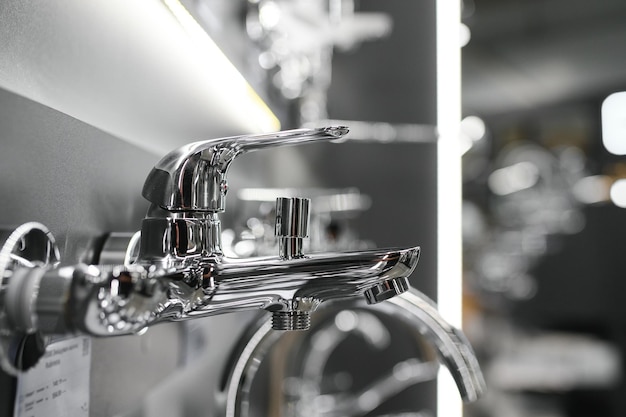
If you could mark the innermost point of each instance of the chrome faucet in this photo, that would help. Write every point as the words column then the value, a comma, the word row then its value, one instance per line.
column 181, row 237
column 181, row 272
column 306, row 367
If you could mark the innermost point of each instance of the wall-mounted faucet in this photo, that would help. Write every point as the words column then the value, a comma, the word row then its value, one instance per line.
column 304, row 361
column 181, row 272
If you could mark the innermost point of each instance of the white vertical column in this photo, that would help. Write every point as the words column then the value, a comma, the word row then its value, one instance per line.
column 449, row 186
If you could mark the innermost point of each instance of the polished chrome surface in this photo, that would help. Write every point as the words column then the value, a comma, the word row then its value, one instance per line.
column 30, row 247
column 177, row 241
column 120, row 248
column 122, row 300
column 180, row 271
column 188, row 189
column 386, row 290
column 193, row 177
column 411, row 308
column 291, row 320
column 292, row 217
column 292, row 225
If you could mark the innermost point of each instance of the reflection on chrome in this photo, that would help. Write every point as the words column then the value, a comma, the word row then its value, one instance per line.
column 312, row 392
column 125, row 300
column 180, row 271
column 29, row 246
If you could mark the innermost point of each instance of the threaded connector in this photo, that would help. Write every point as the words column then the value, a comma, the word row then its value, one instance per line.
column 291, row 320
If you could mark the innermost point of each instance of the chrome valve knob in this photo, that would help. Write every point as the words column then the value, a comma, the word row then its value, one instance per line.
column 292, row 225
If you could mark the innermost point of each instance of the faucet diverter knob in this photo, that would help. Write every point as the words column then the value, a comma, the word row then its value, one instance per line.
column 292, row 225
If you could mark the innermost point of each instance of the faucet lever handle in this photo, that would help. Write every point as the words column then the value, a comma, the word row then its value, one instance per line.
column 193, row 178
column 292, row 225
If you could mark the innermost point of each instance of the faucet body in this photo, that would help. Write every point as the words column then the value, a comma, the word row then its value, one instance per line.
column 181, row 255
column 123, row 300
column 180, row 271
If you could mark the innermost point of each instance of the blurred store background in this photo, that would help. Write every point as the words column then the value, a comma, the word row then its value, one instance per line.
column 543, row 181
column 543, row 207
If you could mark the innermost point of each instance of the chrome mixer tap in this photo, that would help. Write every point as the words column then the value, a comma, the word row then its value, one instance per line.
column 181, row 272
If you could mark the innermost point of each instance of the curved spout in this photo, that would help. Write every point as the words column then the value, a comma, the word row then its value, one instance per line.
column 193, row 177
column 454, row 350
column 413, row 308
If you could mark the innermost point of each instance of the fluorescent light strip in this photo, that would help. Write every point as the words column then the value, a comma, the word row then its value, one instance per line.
column 223, row 70
column 449, row 190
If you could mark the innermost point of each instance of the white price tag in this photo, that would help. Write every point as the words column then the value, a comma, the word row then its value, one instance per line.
column 59, row 384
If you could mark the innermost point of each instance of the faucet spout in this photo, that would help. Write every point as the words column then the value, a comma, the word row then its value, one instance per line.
column 124, row 301
column 279, row 285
